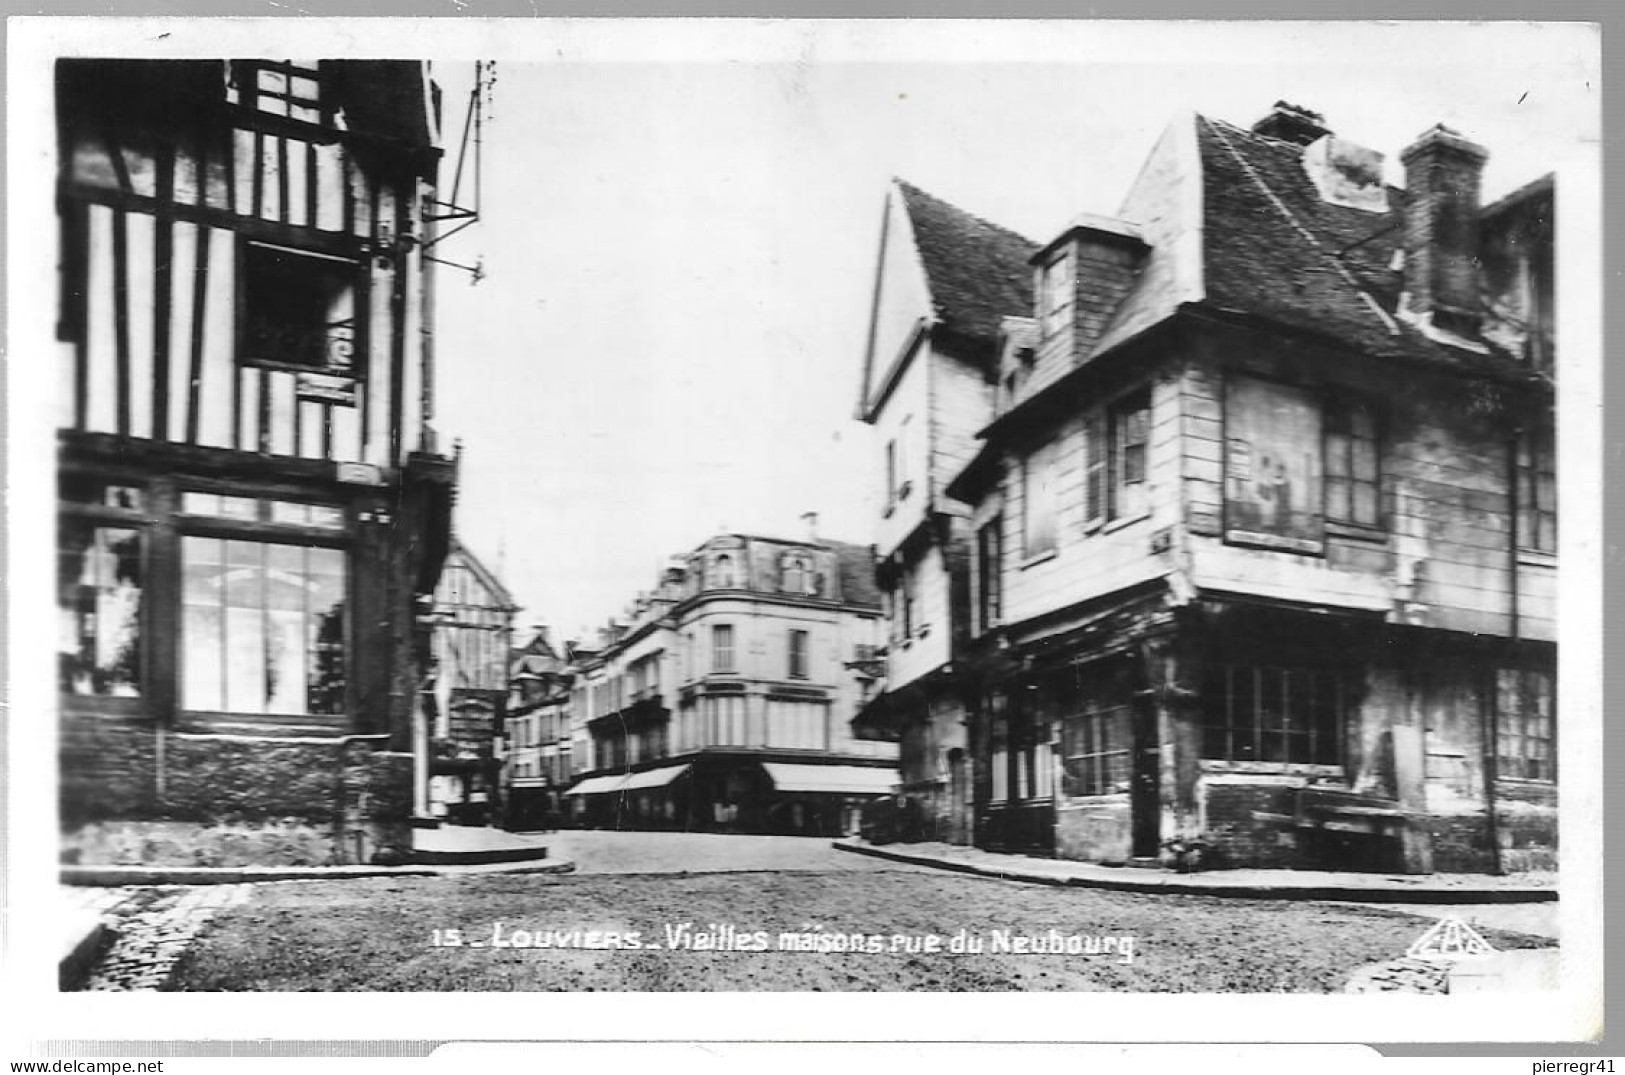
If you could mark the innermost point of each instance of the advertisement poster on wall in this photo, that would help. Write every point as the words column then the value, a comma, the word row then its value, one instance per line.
column 1272, row 466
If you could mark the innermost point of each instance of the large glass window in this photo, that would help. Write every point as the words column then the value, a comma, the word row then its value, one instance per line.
column 100, row 583
column 1096, row 736
column 1526, row 724
column 1272, row 714
column 263, row 627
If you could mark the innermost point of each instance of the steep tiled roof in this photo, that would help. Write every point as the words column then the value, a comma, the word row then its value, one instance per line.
column 977, row 271
column 1272, row 247
column 856, row 564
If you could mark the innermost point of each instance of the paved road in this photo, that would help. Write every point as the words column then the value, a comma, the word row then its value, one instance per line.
column 595, row 851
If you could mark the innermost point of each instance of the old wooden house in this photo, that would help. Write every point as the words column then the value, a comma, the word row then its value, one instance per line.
column 1263, row 521
column 947, row 281
column 724, row 698
column 473, row 633
column 252, row 508
column 537, row 765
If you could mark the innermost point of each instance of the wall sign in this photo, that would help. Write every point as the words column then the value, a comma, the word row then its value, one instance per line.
column 1272, row 466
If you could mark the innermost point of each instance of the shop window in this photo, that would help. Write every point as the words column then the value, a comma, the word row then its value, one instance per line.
column 1525, row 724
column 101, row 579
column 1535, row 459
column 1096, row 739
column 263, row 627
column 1272, row 714
column 1352, row 475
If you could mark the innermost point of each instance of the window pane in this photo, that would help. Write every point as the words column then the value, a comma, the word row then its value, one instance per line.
column 1365, row 504
column 99, row 596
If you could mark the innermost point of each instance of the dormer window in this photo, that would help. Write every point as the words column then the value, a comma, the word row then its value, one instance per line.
column 797, row 575
column 1056, row 292
column 722, row 571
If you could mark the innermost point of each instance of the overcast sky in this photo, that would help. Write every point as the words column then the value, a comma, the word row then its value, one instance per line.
column 680, row 245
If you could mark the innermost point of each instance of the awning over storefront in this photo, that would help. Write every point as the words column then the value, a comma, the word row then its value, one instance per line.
column 838, row 779
column 654, row 778
column 598, row 785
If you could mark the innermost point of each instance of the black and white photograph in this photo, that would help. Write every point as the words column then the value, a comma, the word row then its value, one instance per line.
column 899, row 506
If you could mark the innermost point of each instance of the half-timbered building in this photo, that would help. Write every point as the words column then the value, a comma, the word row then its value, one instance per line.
column 473, row 633
column 252, row 508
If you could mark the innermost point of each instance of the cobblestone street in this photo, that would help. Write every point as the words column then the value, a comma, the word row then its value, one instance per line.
column 391, row 933
column 154, row 927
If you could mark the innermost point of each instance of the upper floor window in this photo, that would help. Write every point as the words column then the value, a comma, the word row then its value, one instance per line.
column 1352, row 476
column 798, row 653
column 1535, row 463
column 290, row 88
column 897, row 479
column 1041, row 499
column 989, row 580
column 298, row 309
column 1115, row 444
column 722, row 648
column 1057, row 293
column 908, row 611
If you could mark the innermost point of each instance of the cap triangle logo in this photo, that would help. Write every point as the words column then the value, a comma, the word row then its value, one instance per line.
column 1450, row 938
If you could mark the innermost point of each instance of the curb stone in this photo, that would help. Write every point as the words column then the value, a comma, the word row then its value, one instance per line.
column 1172, row 885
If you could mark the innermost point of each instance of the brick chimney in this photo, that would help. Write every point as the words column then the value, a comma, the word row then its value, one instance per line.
column 1443, row 174
column 1292, row 123
column 809, row 523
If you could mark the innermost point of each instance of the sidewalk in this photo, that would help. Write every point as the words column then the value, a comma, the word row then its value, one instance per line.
column 451, row 851
column 1243, row 884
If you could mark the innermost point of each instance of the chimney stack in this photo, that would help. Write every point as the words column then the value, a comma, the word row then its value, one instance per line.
column 810, row 520
column 1443, row 174
column 1292, row 123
